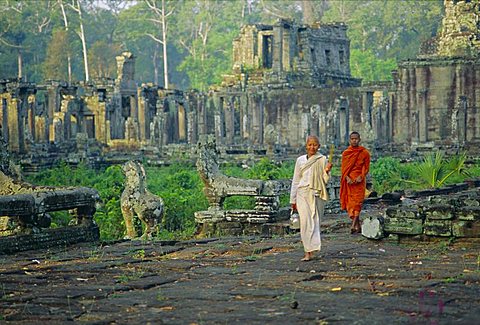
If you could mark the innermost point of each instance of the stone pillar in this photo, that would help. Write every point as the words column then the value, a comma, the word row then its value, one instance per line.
column 286, row 50
column 462, row 118
column 228, row 111
column 245, row 118
column 142, row 115
column 421, row 99
column 192, row 127
column 257, row 113
column 14, row 130
column 218, row 119
column 403, row 120
column 277, row 63
column 343, row 121
column 41, row 134
column 323, row 127
column 315, row 120
column 31, row 117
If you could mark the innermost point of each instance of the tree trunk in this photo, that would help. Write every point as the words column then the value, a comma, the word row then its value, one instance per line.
column 84, row 43
column 164, row 38
column 20, row 64
column 155, row 65
column 69, row 59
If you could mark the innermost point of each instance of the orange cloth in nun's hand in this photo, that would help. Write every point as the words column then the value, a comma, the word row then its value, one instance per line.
column 355, row 162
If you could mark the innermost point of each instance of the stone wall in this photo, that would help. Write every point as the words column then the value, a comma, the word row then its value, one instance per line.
column 437, row 100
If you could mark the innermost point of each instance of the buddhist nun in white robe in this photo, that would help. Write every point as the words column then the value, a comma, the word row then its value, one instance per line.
column 308, row 194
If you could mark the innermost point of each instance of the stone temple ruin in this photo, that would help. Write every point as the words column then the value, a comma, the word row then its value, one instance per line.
column 287, row 81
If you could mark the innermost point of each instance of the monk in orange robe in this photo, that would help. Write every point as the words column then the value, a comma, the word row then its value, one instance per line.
column 355, row 167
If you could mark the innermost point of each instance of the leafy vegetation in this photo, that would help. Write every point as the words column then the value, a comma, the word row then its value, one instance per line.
column 46, row 39
column 433, row 171
column 182, row 190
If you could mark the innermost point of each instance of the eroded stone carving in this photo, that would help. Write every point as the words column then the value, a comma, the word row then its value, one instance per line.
column 26, row 208
column 219, row 186
column 137, row 201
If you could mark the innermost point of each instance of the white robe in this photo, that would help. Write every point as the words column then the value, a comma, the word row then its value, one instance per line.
column 310, row 204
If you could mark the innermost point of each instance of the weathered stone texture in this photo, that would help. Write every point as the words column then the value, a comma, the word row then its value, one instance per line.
column 137, row 201
column 459, row 33
column 373, row 227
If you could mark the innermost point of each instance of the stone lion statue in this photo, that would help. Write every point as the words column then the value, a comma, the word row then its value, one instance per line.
column 137, row 201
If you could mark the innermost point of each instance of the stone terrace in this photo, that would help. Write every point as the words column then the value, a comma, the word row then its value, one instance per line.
column 246, row 280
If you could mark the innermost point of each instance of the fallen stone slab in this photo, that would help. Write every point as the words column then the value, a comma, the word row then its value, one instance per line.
column 405, row 226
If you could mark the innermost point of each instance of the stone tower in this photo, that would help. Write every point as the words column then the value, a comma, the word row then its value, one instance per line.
column 460, row 29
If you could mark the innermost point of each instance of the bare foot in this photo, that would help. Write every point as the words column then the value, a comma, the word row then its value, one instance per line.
column 308, row 256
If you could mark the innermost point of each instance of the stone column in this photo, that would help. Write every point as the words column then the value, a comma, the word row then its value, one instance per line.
column 142, row 115
column 343, row 120
column 462, row 119
column 422, row 93
column 192, row 127
column 15, row 131
column 256, row 109
column 245, row 118
column 228, row 110
column 286, row 57
column 277, row 63
column 31, row 117
column 218, row 119
column 323, row 127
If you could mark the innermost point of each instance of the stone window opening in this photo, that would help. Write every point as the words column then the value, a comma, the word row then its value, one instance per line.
column 267, row 51
column 341, row 56
column 328, row 57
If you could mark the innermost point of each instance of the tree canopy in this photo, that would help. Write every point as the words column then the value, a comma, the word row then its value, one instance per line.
column 188, row 43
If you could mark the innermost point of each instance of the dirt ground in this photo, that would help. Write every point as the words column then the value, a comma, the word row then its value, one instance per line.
column 246, row 280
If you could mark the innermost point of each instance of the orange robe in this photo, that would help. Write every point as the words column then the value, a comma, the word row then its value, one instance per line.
column 355, row 162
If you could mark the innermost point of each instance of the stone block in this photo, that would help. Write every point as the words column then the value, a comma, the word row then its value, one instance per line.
column 439, row 212
column 228, row 228
column 438, row 227
column 406, row 226
column 400, row 212
column 212, row 215
column 469, row 213
column 372, row 227
column 463, row 228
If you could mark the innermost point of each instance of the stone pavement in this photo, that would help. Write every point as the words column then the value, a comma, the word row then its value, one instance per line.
column 246, row 280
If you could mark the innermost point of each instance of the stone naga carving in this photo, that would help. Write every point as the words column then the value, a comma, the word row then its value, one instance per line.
column 137, row 201
column 219, row 186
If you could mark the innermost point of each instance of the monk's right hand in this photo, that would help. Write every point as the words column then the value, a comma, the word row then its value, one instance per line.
column 294, row 206
column 349, row 180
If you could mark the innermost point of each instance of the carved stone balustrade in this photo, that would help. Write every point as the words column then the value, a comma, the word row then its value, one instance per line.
column 24, row 218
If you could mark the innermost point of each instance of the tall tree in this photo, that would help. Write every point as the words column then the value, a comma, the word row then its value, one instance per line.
column 159, row 18
column 205, row 30
column 24, row 28
column 101, row 58
column 76, row 6
column 145, row 27
column 382, row 32
column 56, row 66
column 68, row 54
